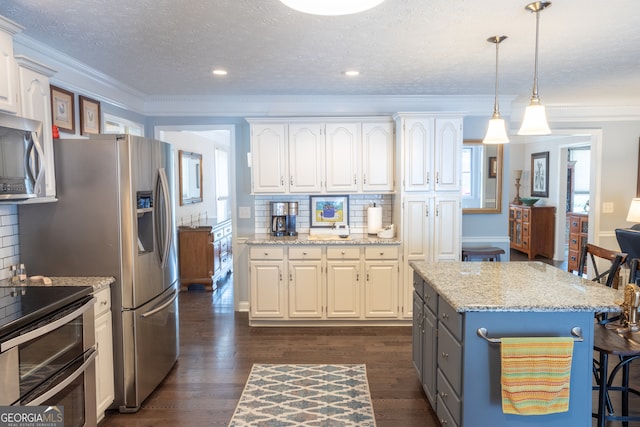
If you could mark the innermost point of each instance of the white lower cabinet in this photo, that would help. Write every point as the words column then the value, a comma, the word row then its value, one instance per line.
column 267, row 296
column 381, row 289
column 344, row 283
column 305, row 283
column 104, row 359
column 350, row 282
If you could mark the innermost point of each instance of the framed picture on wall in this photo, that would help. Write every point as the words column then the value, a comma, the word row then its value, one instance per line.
column 62, row 109
column 328, row 210
column 540, row 174
column 89, row 115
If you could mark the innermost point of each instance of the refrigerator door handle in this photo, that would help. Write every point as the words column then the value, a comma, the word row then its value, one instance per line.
column 162, row 307
column 164, row 236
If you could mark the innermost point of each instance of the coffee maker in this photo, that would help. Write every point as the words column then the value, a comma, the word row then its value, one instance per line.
column 279, row 211
column 292, row 213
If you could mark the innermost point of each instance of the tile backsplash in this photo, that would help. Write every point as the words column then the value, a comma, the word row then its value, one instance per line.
column 9, row 239
column 358, row 204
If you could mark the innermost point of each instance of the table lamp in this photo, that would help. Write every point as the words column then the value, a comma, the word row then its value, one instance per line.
column 634, row 213
column 517, row 200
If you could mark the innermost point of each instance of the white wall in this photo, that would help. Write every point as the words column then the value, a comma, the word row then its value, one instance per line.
column 195, row 143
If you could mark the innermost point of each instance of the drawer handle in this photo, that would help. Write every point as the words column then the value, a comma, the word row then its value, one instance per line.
column 445, row 355
column 103, row 302
column 445, row 316
column 427, row 296
column 443, row 422
column 444, row 395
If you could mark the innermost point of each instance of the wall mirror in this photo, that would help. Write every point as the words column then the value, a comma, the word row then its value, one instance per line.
column 190, row 172
column 481, row 177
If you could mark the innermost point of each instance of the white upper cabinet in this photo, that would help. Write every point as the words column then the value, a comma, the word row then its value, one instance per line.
column 8, row 80
column 323, row 156
column 432, row 149
column 306, row 147
column 269, row 158
column 342, row 157
column 418, row 135
column 377, row 157
column 35, row 103
column 448, row 154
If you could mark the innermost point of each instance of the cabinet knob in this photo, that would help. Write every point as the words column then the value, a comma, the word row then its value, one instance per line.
column 445, row 355
column 445, row 316
column 304, row 253
column 444, row 395
column 266, row 254
column 381, row 253
column 443, row 422
column 343, row 252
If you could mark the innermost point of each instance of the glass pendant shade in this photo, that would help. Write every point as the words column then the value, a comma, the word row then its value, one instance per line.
column 331, row 7
column 535, row 115
column 496, row 132
column 535, row 121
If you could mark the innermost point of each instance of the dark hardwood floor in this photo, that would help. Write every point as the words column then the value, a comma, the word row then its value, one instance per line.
column 218, row 349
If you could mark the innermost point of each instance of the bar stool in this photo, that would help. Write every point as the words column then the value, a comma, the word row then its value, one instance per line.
column 485, row 253
column 625, row 345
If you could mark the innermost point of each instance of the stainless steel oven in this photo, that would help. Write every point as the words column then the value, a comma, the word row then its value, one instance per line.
column 50, row 360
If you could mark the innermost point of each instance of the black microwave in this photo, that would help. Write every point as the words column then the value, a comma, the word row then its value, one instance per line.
column 21, row 159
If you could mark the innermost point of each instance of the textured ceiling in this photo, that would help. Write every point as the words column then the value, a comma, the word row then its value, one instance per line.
column 589, row 51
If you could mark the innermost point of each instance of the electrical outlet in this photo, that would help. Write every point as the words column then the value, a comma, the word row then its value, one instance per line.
column 607, row 207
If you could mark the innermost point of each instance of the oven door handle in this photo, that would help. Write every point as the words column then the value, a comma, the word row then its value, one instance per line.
column 68, row 380
column 31, row 335
column 162, row 307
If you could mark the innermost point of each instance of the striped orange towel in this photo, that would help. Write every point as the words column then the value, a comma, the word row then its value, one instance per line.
column 536, row 375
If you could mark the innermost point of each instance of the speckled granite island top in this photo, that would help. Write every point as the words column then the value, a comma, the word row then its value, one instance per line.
column 306, row 239
column 515, row 286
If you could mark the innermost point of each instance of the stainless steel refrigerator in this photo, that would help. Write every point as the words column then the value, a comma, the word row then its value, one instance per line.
column 115, row 217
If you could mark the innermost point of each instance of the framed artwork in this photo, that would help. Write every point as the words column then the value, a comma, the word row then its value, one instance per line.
column 540, row 174
column 89, row 115
column 327, row 210
column 493, row 167
column 62, row 109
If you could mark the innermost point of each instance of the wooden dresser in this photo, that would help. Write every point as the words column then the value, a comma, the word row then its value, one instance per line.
column 531, row 229
column 205, row 252
column 578, row 234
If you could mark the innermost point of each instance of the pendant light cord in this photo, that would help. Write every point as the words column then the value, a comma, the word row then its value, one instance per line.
column 535, row 67
column 496, row 106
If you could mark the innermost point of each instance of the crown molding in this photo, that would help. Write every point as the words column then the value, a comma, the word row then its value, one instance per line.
column 79, row 77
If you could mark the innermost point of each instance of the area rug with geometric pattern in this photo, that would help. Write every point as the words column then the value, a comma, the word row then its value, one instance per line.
column 305, row 395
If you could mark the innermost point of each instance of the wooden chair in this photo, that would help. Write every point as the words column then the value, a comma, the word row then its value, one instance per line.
column 598, row 258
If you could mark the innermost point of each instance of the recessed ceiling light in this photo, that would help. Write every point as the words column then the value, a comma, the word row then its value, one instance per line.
column 220, row 72
column 331, row 7
column 352, row 73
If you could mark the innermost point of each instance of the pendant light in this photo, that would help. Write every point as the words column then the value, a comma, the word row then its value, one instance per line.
column 497, row 131
column 535, row 117
column 331, row 7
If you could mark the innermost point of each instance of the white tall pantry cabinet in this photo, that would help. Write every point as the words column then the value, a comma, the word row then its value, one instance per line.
column 428, row 148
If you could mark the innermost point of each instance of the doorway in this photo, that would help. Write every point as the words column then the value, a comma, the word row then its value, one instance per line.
column 216, row 145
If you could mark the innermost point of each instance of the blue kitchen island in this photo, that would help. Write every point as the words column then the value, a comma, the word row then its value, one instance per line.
column 462, row 309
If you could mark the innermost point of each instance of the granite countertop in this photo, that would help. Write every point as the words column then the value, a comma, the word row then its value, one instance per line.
column 515, row 286
column 97, row 283
column 306, row 239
